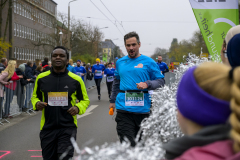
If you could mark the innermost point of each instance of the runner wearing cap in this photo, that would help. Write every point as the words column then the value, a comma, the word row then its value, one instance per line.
column 80, row 70
column 135, row 76
column 98, row 70
column 109, row 73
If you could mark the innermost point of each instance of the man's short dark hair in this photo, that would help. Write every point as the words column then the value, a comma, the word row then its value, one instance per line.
column 3, row 60
column 160, row 55
column 29, row 63
column 131, row 35
column 45, row 60
column 63, row 48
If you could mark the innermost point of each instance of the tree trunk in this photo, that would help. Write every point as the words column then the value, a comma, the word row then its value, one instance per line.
column 10, row 27
column 1, row 8
column 2, row 4
column 6, row 25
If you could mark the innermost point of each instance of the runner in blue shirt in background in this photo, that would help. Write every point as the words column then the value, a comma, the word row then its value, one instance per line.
column 162, row 65
column 71, row 68
column 98, row 70
column 135, row 76
column 109, row 73
column 80, row 70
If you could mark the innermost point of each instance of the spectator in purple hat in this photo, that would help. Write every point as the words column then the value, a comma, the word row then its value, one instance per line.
column 203, row 101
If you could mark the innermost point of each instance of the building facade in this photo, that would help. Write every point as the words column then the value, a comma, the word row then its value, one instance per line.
column 107, row 49
column 31, row 23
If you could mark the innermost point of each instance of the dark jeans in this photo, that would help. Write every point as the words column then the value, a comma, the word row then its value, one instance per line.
column 98, row 84
column 109, row 87
column 128, row 125
column 9, row 98
column 55, row 142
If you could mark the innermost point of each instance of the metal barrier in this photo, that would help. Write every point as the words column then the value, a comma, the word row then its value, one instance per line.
column 169, row 78
column 16, row 97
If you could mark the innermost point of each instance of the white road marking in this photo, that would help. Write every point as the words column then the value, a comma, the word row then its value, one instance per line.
column 88, row 111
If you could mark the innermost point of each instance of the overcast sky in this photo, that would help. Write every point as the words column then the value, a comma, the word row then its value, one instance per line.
column 156, row 21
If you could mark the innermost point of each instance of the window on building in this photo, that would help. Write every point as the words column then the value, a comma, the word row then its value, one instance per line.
column 23, row 32
column 23, row 10
column 23, row 53
column 20, row 9
column 20, row 30
column 15, row 52
column 15, row 28
column 27, row 54
column 27, row 11
column 15, row 7
column 30, row 13
column 20, row 52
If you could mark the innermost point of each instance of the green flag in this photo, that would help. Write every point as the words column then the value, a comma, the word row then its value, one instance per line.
column 215, row 18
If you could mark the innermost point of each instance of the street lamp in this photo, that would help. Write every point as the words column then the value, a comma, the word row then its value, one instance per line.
column 69, row 28
column 60, row 33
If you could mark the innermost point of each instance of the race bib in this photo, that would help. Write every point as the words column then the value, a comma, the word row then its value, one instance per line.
column 98, row 73
column 79, row 74
column 58, row 98
column 110, row 79
column 134, row 99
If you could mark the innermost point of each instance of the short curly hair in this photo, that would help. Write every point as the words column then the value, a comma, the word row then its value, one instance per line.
column 131, row 35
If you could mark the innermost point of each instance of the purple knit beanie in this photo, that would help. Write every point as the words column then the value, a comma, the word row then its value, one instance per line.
column 199, row 106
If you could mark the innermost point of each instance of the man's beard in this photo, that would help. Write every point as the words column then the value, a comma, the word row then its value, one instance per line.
column 134, row 56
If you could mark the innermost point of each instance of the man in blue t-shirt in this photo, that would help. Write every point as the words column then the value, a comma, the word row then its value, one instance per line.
column 162, row 65
column 135, row 76
column 109, row 73
column 98, row 70
column 80, row 70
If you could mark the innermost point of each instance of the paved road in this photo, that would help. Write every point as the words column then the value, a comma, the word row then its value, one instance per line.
column 21, row 141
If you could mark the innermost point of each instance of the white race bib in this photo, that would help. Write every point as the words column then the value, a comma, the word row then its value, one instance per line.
column 79, row 74
column 98, row 73
column 58, row 98
column 110, row 79
column 134, row 99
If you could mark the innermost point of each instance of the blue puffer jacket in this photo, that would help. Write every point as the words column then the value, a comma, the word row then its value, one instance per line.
column 71, row 68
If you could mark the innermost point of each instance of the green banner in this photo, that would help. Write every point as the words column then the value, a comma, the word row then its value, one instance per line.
column 215, row 18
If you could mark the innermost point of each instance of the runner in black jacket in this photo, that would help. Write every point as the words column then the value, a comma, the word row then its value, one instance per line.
column 61, row 95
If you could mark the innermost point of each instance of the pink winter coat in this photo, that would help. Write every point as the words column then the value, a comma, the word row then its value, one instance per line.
column 220, row 150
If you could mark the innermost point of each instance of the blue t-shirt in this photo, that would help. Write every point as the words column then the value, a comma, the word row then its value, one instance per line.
column 162, row 66
column 71, row 68
column 99, row 68
column 131, row 71
column 110, row 74
column 80, row 70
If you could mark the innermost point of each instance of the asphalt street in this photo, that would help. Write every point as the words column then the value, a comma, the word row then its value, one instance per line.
column 20, row 140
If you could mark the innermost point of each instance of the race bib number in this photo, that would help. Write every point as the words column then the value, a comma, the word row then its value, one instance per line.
column 98, row 73
column 134, row 99
column 79, row 74
column 58, row 98
column 110, row 79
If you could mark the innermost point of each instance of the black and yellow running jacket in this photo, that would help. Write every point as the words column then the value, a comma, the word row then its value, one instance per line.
column 54, row 117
